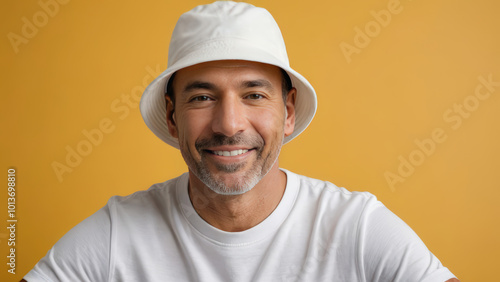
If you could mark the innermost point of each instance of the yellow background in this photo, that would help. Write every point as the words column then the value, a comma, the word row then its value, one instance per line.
column 392, row 93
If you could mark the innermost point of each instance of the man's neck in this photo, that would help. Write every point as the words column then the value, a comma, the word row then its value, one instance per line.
column 238, row 212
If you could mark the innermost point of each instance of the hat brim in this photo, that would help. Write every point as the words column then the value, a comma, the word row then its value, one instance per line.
column 153, row 104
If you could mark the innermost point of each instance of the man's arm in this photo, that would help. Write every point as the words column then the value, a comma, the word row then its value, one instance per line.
column 451, row 280
column 390, row 249
column 80, row 255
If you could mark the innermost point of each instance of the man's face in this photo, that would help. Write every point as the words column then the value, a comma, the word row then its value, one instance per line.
column 230, row 120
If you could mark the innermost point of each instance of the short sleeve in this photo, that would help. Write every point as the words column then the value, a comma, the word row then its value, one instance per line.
column 389, row 250
column 82, row 254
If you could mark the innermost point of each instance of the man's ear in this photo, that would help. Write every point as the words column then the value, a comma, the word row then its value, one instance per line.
column 290, row 111
column 171, row 123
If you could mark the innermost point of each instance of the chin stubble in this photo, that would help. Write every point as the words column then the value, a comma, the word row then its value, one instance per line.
column 244, row 183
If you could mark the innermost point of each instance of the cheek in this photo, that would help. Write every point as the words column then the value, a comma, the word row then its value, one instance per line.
column 190, row 127
column 269, row 123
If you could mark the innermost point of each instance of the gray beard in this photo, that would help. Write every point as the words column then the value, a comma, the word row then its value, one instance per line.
column 245, row 183
column 248, row 181
column 240, row 187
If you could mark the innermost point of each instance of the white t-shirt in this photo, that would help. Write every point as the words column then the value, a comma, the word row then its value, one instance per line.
column 318, row 232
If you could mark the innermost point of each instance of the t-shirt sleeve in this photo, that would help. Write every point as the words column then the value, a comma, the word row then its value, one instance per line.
column 389, row 250
column 82, row 254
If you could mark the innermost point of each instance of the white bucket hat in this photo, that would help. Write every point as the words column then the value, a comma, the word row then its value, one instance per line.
column 225, row 30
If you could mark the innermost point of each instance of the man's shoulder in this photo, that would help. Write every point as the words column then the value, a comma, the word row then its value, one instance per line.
column 325, row 189
column 328, row 202
column 157, row 194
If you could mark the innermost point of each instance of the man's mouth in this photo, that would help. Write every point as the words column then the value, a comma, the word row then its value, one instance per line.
column 229, row 153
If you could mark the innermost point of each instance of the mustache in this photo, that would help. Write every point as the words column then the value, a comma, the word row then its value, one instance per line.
column 217, row 139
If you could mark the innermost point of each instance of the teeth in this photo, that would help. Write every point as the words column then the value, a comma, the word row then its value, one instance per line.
column 230, row 153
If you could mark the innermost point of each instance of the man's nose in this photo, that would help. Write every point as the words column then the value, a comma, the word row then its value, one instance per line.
column 229, row 117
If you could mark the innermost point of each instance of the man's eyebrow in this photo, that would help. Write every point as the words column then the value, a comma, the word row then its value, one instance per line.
column 210, row 86
column 257, row 83
column 199, row 85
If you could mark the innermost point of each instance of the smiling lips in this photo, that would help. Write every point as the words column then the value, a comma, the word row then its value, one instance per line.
column 229, row 153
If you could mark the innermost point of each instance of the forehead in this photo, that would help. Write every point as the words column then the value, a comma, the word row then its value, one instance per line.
column 227, row 71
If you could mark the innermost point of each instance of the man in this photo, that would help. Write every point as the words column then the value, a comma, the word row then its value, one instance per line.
column 229, row 100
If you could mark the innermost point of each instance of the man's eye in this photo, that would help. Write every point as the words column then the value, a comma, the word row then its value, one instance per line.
column 200, row 99
column 255, row 96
